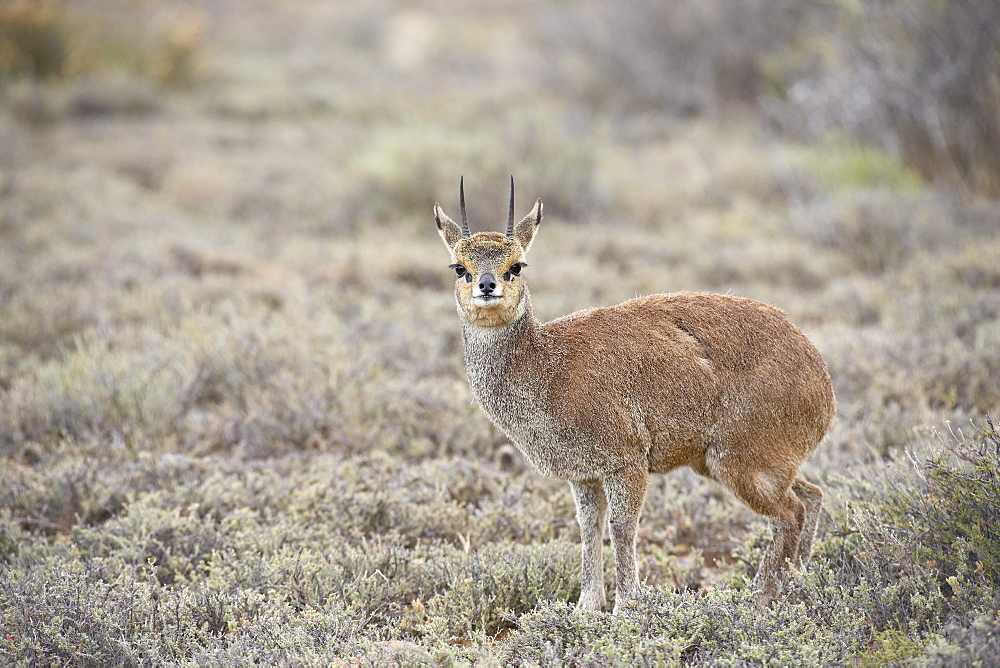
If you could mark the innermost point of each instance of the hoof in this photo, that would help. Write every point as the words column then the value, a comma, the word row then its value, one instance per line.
column 763, row 599
column 590, row 604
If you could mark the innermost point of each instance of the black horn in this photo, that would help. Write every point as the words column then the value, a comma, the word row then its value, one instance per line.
column 461, row 200
column 510, row 211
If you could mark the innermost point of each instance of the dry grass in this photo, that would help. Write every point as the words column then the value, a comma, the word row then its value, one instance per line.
column 234, row 423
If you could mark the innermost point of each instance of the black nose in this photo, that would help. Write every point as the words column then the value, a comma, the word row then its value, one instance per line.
column 487, row 283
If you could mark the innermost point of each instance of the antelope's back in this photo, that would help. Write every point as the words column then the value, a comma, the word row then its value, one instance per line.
column 691, row 368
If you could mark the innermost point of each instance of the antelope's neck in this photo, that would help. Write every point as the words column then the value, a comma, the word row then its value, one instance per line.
column 500, row 360
column 511, row 372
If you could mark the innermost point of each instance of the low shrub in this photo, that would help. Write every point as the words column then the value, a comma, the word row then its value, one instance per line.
column 55, row 611
column 54, row 40
column 412, row 166
column 489, row 589
column 32, row 40
column 950, row 519
column 722, row 627
column 918, row 79
column 974, row 641
column 918, row 551
column 679, row 59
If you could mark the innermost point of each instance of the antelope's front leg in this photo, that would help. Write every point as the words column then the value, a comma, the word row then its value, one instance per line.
column 591, row 507
column 626, row 492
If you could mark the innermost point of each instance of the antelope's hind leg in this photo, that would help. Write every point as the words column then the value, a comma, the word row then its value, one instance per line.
column 591, row 509
column 770, row 492
column 811, row 497
column 788, row 517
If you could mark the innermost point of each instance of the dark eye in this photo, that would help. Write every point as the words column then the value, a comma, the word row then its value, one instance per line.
column 515, row 270
column 461, row 271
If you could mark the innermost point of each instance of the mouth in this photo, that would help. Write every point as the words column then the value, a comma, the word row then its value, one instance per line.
column 485, row 300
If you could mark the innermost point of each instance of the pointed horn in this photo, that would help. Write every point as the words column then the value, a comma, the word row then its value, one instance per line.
column 461, row 199
column 510, row 211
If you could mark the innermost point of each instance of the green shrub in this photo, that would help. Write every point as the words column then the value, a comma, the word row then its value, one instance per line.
column 677, row 59
column 55, row 40
column 411, row 166
column 844, row 166
column 54, row 610
column 53, row 499
column 32, row 40
column 975, row 641
column 919, row 79
column 892, row 647
column 876, row 230
column 949, row 520
column 94, row 389
column 722, row 627
column 487, row 590
column 919, row 551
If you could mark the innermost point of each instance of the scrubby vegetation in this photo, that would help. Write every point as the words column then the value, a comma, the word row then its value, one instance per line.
column 234, row 424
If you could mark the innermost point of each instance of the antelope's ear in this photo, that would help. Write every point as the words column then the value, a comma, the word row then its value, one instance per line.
column 524, row 231
column 449, row 230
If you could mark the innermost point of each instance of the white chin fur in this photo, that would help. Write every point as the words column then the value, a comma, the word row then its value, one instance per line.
column 485, row 302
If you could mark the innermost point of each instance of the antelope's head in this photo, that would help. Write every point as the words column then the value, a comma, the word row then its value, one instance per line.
column 489, row 288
